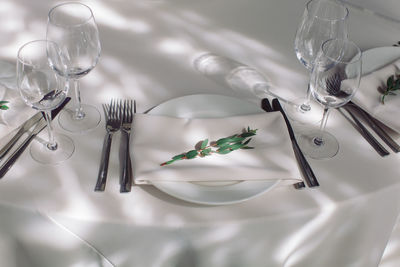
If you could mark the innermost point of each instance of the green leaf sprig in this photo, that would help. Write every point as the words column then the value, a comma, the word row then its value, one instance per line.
column 221, row 146
column 3, row 105
column 392, row 85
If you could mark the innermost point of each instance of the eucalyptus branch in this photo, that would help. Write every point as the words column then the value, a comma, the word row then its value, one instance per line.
column 221, row 146
column 392, row 85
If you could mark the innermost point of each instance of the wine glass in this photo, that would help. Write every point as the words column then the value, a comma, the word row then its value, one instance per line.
column 43, row 89
column 335, row 79
column 73, row 28
column 322, row 20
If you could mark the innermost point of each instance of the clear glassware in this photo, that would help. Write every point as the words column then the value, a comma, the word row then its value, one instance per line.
column 335, row 79
column 72, row 26
column 322, row 20
column 43, row 89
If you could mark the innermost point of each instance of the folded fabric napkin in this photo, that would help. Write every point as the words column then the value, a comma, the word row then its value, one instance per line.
column 17, row 113
column 156, row 139
column 369, row 98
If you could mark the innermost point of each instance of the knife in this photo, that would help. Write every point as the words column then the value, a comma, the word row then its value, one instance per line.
column 364, row 132
column 22, row 129
column 5, row 166
column 372, row 122
column 265, row 105
column 306, row 170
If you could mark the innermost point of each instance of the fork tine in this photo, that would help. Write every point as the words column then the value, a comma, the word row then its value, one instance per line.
column 105, row 110
column 130, row 110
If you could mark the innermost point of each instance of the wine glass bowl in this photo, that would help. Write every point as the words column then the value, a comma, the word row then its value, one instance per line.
column 335, row 79
column 43, row 89
column 322, row 20
column 72, row 26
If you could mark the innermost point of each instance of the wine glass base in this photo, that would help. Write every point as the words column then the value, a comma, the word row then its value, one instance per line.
column 328, row 149
column 70, row 123
column 42, row 154
column 312, row 116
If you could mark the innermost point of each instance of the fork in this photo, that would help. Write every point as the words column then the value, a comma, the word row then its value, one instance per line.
column 127, row 110
column 113, row 122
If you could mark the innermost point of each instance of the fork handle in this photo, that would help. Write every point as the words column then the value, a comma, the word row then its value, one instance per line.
column 103, row 169
column 126, row 169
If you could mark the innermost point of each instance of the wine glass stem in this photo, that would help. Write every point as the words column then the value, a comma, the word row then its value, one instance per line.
column 51, row 144
column 79, row 114
column 318, row 139
column 304, row 107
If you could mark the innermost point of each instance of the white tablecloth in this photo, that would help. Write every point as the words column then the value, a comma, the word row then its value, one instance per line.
column 149, row 52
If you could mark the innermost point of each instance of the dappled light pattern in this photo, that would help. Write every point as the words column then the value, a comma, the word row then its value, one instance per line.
column 157, row 50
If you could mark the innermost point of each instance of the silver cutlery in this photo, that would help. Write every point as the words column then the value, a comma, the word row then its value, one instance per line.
column 364, row 131
column 265, row 105
column 372, row 122
column 333, row 86
column 6, row 165
column 127, row 110
column 22, row 129
column 113, row 122
column 305, row 167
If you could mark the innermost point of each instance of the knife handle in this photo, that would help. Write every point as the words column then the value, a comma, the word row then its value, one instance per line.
column 308, row 173
column 103, row 169
column 11, row 143
column 377, row 128
column 365, row 133
column 5, row 167
column 265, row 105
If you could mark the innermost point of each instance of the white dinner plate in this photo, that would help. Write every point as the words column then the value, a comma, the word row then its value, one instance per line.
column 210, row 106
column 377, row 58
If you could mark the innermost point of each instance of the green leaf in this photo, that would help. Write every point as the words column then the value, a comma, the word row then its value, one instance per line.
column 397, row 84
column 3, row 102
column 204, row 144
column 207, row 151
column 247, row 141
column 225, row 151
column 247, row 134
column 224, row 146
column 180, row 156
column 389, row 82
column 223, row 141
column 237, row 139
column 236, row 146
column 191, row 154
column 247, row 147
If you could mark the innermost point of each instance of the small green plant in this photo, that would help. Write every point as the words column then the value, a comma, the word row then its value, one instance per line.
column 392, row 85
column 3, row 105
column 221, row 146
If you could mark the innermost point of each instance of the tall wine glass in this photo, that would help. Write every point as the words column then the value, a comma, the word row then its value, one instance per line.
column 43, row 89
column 322, row 20
column 72, row 26
column 335, row 79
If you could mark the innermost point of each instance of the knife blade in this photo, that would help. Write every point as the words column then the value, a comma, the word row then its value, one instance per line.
column 6, row 165
column 306, row 170
column 23, row 128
